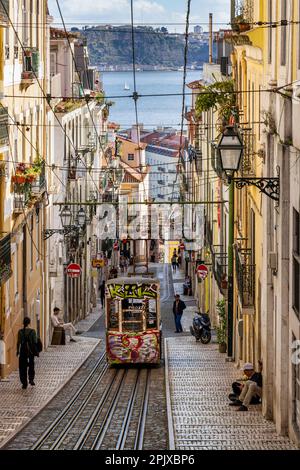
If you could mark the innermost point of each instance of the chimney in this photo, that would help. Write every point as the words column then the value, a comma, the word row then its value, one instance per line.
column 210, row 38
column 136, row 133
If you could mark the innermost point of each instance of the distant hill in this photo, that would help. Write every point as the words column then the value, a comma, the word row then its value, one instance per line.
column 112, row 46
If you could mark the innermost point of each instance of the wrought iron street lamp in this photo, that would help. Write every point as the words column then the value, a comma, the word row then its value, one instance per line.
column 81, row 217
column 66, row 217
column 230, row 149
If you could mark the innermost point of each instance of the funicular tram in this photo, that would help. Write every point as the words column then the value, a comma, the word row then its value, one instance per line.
column 133, row 334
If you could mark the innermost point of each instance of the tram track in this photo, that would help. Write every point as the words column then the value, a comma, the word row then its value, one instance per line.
column 111, row 414
column 52, row 436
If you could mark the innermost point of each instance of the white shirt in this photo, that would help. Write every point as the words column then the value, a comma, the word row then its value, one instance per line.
column 55, row 320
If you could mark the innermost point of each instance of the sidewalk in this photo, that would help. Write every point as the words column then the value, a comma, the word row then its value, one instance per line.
column 199, row 381
column 54, row 368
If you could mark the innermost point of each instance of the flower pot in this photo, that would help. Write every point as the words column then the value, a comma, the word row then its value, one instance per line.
column 244, row 27
column 222, row 348
column 18, row 179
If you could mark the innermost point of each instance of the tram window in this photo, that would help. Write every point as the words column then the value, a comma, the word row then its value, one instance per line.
column 151, row 313
column 133, row 317
column 113, row 314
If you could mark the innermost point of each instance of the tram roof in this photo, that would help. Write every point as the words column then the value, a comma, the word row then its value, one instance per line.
column 133, row 280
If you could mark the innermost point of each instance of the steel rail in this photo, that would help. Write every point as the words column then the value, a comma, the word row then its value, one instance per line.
column 129, row 410
column 139, row 438
column 89, row 427
column 109, row 415
column 64, row 412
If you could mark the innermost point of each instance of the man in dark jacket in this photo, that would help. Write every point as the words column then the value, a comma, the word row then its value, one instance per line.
column 178, row 308
column 252, row 388
column 26, row 350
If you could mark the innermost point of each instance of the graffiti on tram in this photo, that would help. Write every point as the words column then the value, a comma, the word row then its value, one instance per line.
column 133, row 347
column 133, row 291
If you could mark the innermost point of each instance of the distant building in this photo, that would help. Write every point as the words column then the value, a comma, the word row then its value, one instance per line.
column 198, row 29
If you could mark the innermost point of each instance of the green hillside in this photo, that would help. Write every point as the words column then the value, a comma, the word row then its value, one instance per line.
column 152, row 48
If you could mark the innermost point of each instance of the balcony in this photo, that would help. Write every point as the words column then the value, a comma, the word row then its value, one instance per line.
column 4, row 7
column 243, row 18
column 31, row 66
column 219, row 267
column 245, row 277
column 28, row 182
column 5, row 259
column 4, row 141
column 38, row 186
column 208, row 234
column 216, row 161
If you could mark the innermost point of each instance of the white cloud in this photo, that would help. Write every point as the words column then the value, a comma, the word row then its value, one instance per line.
column 105, row 10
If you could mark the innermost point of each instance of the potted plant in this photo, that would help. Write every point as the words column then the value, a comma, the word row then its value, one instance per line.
column 222, row 327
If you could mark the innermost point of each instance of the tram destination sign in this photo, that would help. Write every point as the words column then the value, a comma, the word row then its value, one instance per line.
column 133, row 291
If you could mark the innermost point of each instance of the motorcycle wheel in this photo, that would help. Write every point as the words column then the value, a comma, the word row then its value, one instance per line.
column 192, row 331
column 205, row 337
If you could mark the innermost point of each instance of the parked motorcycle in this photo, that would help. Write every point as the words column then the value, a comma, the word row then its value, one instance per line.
column 201, row 327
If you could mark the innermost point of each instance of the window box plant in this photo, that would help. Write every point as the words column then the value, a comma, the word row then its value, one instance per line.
column 222, row 327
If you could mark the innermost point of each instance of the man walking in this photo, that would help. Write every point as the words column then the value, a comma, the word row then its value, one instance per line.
column 102, row 293
column 68, row 327
column 26, row 350
column 178, row 307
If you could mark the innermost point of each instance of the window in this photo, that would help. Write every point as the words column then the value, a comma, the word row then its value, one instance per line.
column 296, row 392
column 270, row 32
column 283, row 32
column 130, row 157
column 296, row 262
column 31, row 242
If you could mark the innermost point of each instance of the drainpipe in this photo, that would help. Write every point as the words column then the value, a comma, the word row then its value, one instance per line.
column 230, row 272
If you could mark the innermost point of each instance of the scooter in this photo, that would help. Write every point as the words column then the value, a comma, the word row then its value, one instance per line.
column 201, row 327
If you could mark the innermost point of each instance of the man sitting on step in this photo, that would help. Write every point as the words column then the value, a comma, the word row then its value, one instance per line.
column 68, row 327
column 251, row 391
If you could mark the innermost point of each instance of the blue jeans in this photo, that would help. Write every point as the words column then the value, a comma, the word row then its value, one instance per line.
column 178, row 322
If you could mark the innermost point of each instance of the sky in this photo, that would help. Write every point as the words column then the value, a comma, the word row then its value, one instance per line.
column 145, row 11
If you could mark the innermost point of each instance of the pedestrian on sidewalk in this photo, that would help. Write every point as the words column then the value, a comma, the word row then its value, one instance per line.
column 251, row 389
column 68, row 327
column 174, row 261
column 178, row 307
column 26, row 350
column 102, row 293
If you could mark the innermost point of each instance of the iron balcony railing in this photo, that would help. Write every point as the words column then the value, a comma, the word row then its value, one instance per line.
column 208, row 233
column 4, row 126
column 5, row 259
column 215, row 160
column 245, row 276
column 4, row 12
column 219, row 267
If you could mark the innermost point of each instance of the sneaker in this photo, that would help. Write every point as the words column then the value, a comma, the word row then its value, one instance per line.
column 24, row 386
column 73, row 340
column 242, row 408
column 78, row 332
column 236, row 403
column 32, row 382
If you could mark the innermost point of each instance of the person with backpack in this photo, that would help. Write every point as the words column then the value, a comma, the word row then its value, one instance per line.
column 27, row 348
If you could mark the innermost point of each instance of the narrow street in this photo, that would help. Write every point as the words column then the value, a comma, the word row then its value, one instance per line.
column 127, row 408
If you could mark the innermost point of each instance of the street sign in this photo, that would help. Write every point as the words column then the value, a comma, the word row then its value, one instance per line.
column 202, row 271
column 98, row 263
column 181, row 246
column 73, row 270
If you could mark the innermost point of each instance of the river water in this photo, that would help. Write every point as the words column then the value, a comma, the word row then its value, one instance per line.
column 152, row 111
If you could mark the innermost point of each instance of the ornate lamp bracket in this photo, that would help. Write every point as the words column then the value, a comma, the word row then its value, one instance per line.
column 268, row 186
column 63, row 231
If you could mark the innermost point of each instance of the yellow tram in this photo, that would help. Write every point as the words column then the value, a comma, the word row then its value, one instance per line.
column 133, row 334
